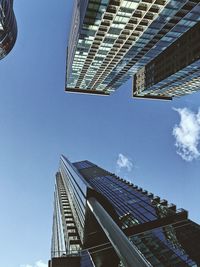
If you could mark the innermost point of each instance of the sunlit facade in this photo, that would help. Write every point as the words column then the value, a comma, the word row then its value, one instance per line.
column 111, row 40
column 98, row 217
column 8, row 27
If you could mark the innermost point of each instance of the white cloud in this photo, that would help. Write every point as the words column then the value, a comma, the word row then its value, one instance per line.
column 37, row 264
column 124, row 162
column 187, row 134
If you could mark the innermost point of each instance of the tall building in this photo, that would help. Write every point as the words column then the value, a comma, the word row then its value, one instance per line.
column 8, row 27
column 174, row 72
column 111, row 40
column 105, row 221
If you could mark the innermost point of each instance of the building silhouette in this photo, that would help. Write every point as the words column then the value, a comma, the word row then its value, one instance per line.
column 103, row 220
column 8, row 27
column 111, row 40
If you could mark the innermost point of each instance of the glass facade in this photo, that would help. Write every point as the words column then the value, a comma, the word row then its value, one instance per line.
column 8, row 27
column 162, row 234
column 175, row 72
column 115, row 39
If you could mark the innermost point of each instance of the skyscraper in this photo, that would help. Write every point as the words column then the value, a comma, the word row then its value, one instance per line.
column 174, row 72
column 110, row 40
column 103, row 220
column 8, row 27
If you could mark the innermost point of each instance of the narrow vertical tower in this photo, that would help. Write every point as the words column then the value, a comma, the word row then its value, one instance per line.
column 102, row 220
column 69, row 241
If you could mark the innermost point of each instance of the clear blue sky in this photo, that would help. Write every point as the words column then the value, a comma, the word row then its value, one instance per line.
column 39, row 121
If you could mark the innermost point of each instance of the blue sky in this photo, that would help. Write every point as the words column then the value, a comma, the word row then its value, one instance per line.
column 39, row 121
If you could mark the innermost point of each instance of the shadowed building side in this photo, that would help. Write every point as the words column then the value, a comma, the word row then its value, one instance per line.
column 175, row 72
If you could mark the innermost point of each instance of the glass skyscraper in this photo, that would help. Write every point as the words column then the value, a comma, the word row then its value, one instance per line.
column 8, row 27
column 174, row 72
column 103, row 220
column 111, row 40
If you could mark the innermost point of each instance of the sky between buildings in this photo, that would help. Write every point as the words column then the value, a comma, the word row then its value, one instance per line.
column 151, row 143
